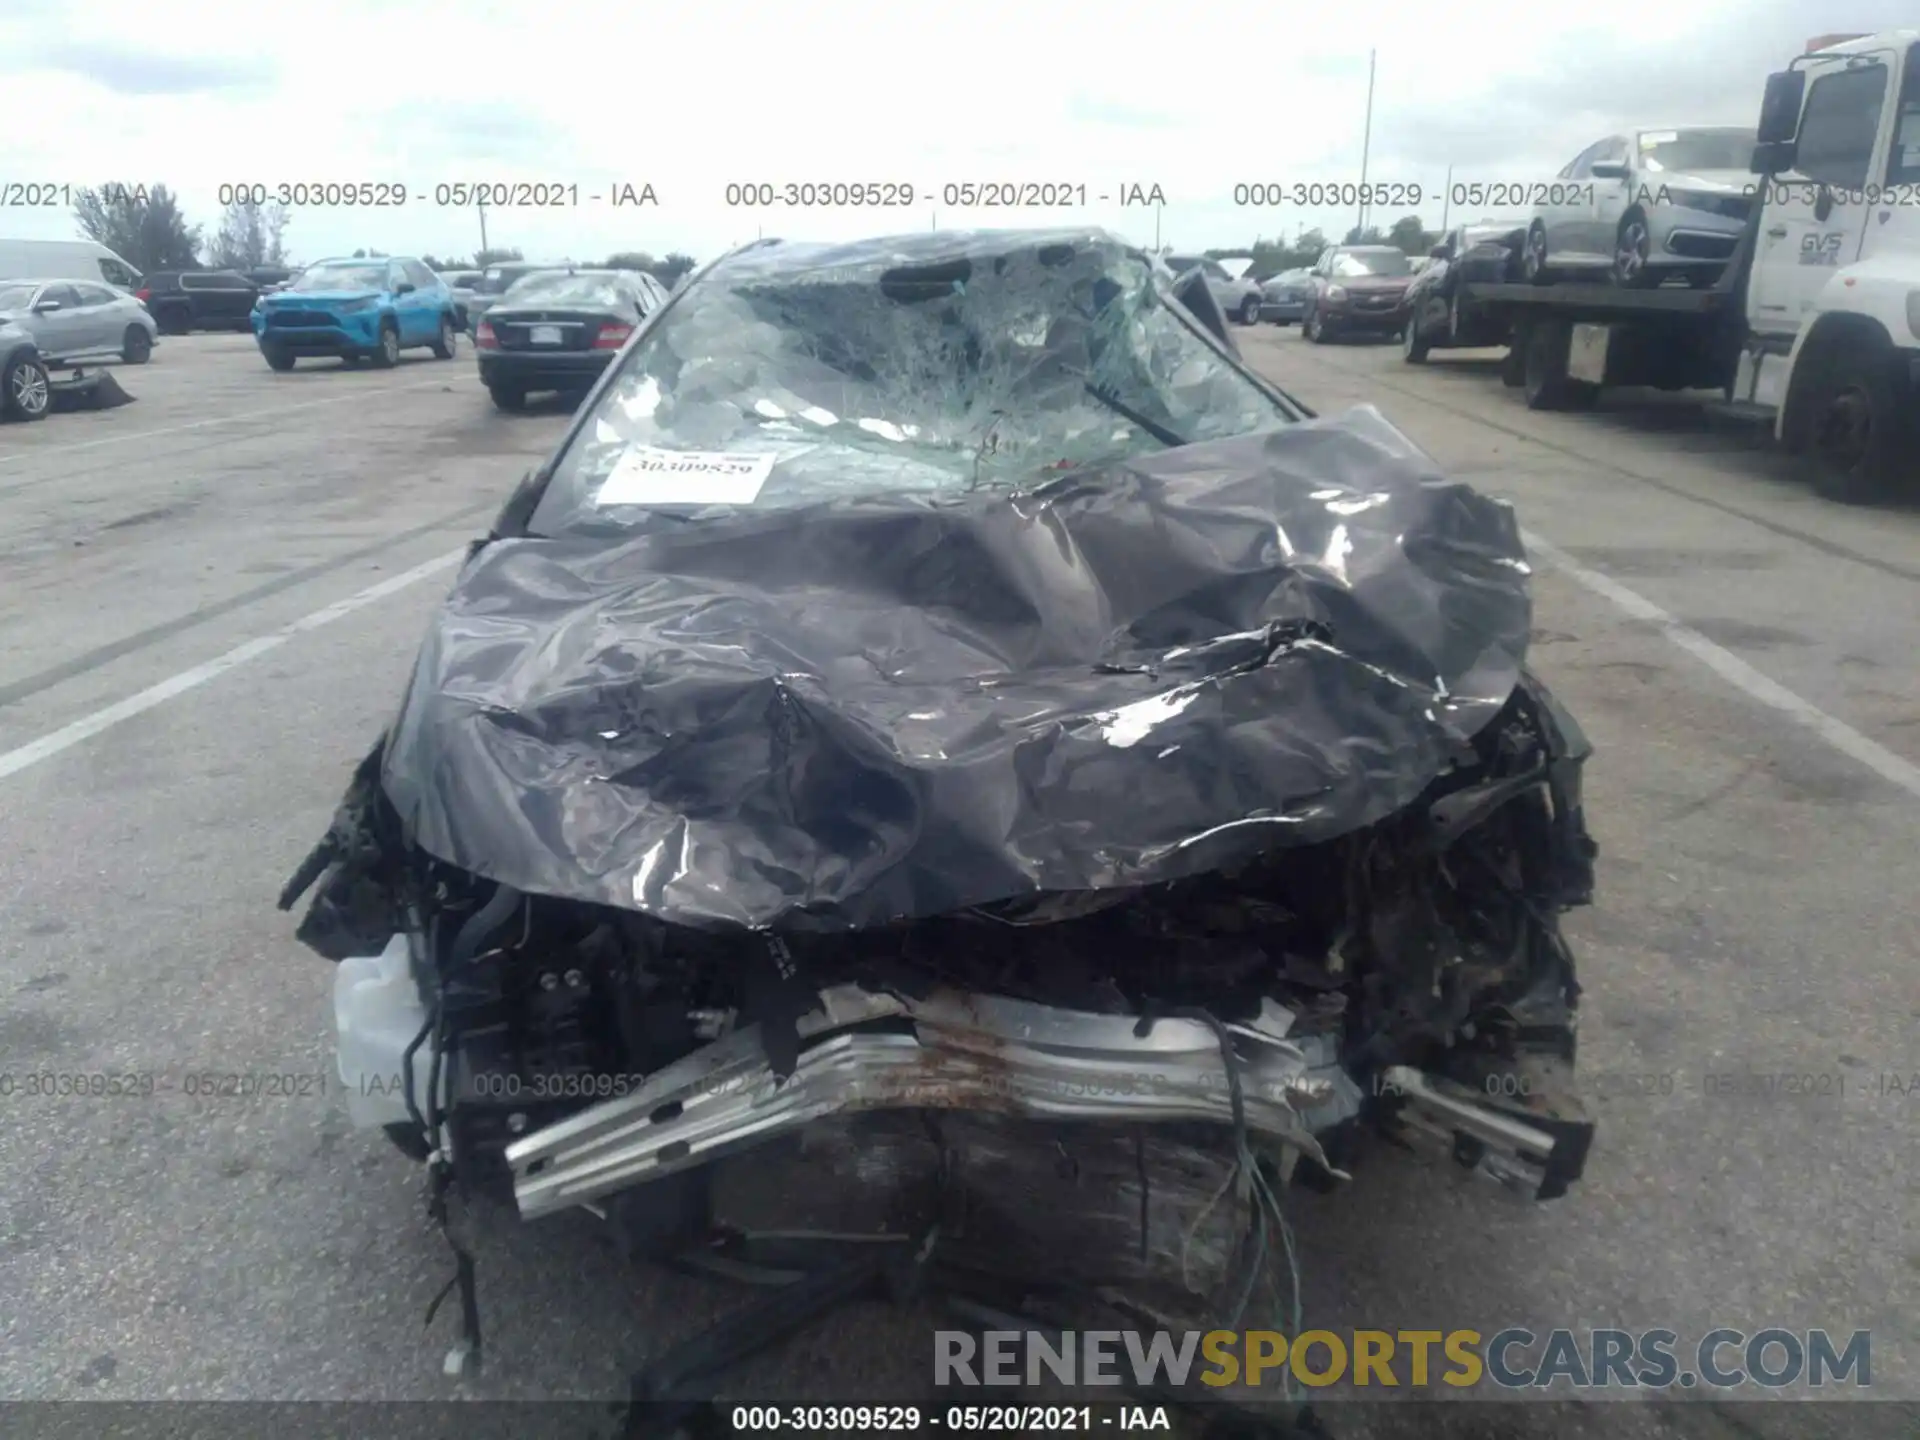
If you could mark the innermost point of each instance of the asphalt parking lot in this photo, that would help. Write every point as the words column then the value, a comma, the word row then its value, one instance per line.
column 208, row 603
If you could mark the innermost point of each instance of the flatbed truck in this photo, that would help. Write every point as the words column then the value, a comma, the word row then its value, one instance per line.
column 1814, row 325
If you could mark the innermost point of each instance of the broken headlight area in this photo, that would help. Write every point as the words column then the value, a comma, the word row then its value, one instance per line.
column 1411, row 974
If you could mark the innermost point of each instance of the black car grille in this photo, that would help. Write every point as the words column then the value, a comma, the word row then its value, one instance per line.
column 299, row 319
column 1377, row 302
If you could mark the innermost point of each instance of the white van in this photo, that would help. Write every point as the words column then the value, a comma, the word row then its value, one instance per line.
column 65, row 260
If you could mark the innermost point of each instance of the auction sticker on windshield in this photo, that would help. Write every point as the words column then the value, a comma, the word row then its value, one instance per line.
column 646, row 476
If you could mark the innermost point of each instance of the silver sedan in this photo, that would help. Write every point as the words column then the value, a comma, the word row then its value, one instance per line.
column 75, row 322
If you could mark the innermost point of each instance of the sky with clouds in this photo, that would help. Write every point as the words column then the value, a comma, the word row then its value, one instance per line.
column 594, row 95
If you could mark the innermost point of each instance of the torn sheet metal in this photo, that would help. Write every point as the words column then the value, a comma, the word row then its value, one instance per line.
column 963, row 1051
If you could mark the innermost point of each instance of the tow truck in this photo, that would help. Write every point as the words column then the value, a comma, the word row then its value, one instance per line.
column 1814, row 325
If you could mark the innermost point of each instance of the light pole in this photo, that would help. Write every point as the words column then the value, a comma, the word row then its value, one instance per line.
column 483, row 225
column 1156, row 225
column 1366, row 140
column 1446, row 205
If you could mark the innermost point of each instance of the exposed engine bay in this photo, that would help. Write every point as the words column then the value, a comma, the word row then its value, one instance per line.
column 1427, row 943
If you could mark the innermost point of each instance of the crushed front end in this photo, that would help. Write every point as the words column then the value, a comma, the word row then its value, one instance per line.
column 1152, row 776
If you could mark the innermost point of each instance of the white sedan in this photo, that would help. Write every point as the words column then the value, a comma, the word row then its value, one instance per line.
column 1644, row 206
column 76, row 321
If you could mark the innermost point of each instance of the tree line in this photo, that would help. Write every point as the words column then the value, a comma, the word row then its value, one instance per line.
column 146, row 226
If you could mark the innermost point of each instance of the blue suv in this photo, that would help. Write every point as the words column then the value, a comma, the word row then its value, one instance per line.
column 360, row 309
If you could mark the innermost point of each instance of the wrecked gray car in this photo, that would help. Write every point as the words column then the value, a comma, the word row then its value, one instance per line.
column 936, row 701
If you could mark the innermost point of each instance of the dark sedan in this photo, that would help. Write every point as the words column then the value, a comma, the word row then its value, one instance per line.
column 557, row 329
column 1283, row 298
column 1357, row 289
column 1439, row 315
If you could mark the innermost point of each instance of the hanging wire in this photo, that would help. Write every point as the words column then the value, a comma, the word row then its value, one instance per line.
column 1252, row 1187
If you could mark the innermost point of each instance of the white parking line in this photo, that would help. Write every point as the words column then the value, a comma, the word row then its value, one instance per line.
column 12, row 762
column 361, row 394
column 1735, row 671
column 1728, row 666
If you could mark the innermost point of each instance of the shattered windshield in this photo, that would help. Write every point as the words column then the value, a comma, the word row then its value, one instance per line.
column 793, row 374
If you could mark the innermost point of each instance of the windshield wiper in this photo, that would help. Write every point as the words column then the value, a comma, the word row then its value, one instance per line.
column 1120, row 407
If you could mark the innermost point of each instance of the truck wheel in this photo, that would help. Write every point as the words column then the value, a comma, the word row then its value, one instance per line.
column 1315, row 329
column 1859, row 438
column 443, row 342
column 1544, row 376
column 280, row 359
column 1413, row 344
column 510, row 398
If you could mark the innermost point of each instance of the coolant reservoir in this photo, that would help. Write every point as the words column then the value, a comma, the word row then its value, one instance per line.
column 377, row 1014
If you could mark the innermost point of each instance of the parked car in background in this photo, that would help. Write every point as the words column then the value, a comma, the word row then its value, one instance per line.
column 558, row 329
column 1440, row 314
column 496, row 280
column 1646, row 206
column 65, row 260
column 356, row 310
column 1357, row 289
column 185, row 300
column 26, row 390
column 461, row 283
column 75, row 322
column 1238, row 299
column 1283, row 297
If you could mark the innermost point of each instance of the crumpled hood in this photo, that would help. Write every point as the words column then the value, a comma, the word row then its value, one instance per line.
column 895, row 706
